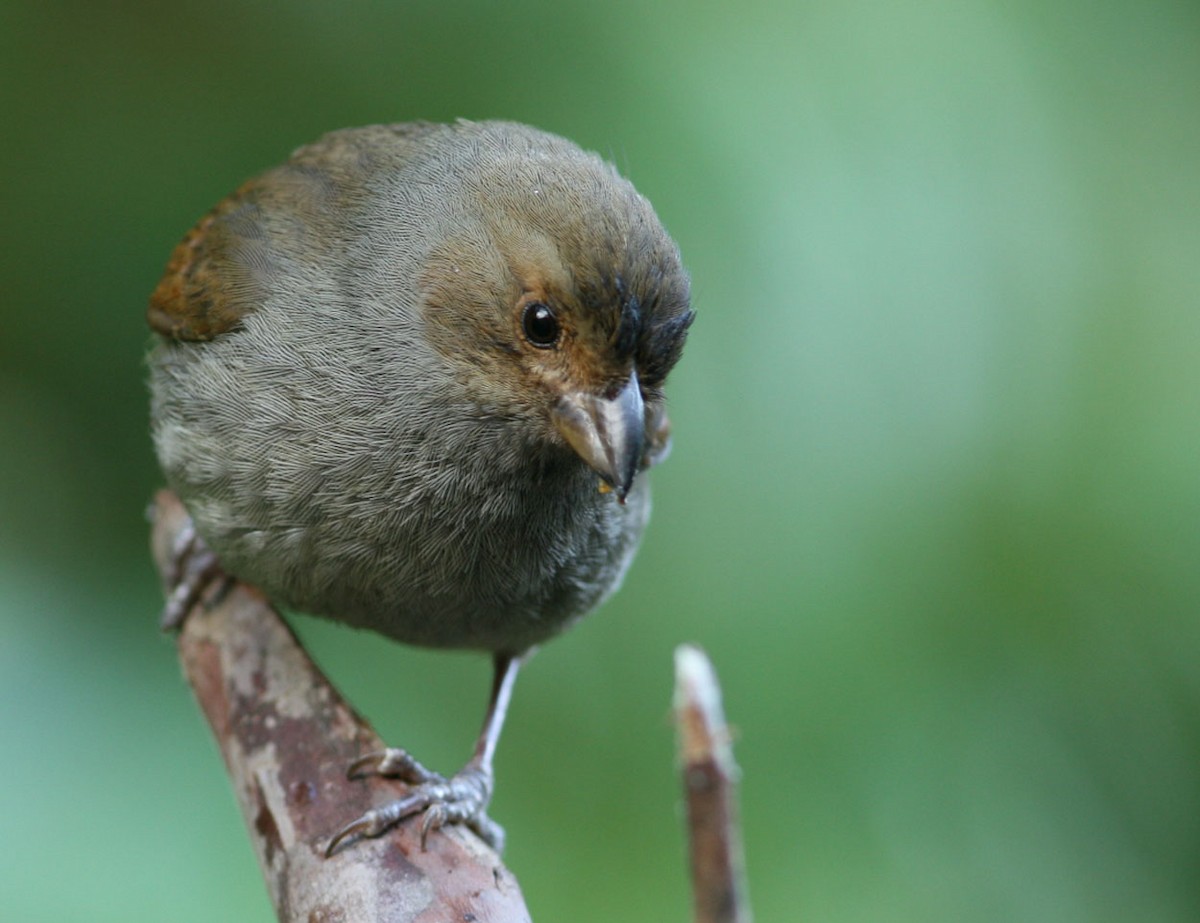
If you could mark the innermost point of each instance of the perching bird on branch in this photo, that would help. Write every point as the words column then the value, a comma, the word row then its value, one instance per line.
column 410, row 380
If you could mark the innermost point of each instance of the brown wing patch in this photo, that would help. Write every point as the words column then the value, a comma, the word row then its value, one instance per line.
column 193, row 300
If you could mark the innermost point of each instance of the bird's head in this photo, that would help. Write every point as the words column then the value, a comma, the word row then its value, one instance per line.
column 561, row 300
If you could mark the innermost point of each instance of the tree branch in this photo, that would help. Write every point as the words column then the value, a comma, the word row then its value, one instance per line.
column 710, row 790
column 287, row 737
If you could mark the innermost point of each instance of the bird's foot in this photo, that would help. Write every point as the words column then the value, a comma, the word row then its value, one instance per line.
column 461, row 799
column 194, row 569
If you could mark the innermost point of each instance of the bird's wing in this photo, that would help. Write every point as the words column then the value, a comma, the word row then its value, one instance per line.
column 224, row 268
column 199, row 297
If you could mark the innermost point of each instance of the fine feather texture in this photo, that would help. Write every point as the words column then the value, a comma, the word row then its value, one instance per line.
column 343, row 398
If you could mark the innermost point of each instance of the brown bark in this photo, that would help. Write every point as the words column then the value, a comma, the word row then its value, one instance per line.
column 287, row 737
column 710, row 791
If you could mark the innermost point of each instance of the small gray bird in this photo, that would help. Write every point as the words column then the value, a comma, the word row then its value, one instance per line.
column 408, row 380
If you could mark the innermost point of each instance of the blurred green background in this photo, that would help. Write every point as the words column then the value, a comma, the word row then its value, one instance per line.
column 933, row 505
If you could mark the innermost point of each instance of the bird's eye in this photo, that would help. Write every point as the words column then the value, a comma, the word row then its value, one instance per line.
column 540, row 325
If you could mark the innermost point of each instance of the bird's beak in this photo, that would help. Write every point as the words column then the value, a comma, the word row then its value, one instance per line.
column 607, row 433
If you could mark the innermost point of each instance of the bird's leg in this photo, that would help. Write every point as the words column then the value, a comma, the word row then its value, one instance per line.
column 461, row 799
column 194, row 569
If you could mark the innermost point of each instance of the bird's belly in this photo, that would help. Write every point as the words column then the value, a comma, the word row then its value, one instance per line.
column 484, row 581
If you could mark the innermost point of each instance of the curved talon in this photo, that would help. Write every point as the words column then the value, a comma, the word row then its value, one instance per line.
column 394, row 763
column 381, row 819
column 193, row 569
column 435, row 818
column 181, row 547
column 359, row 767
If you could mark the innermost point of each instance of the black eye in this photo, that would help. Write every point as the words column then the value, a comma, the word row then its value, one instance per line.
column 540, row 324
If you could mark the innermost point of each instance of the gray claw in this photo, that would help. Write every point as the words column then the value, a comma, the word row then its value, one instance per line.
column 461, row 799
column 193, row 569
column 394, row 763
column 379, row 820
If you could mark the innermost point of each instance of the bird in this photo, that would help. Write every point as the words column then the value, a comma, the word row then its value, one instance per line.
column 411, row 380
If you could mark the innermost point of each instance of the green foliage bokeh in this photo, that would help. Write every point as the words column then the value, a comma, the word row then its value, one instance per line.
column 933, row 505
